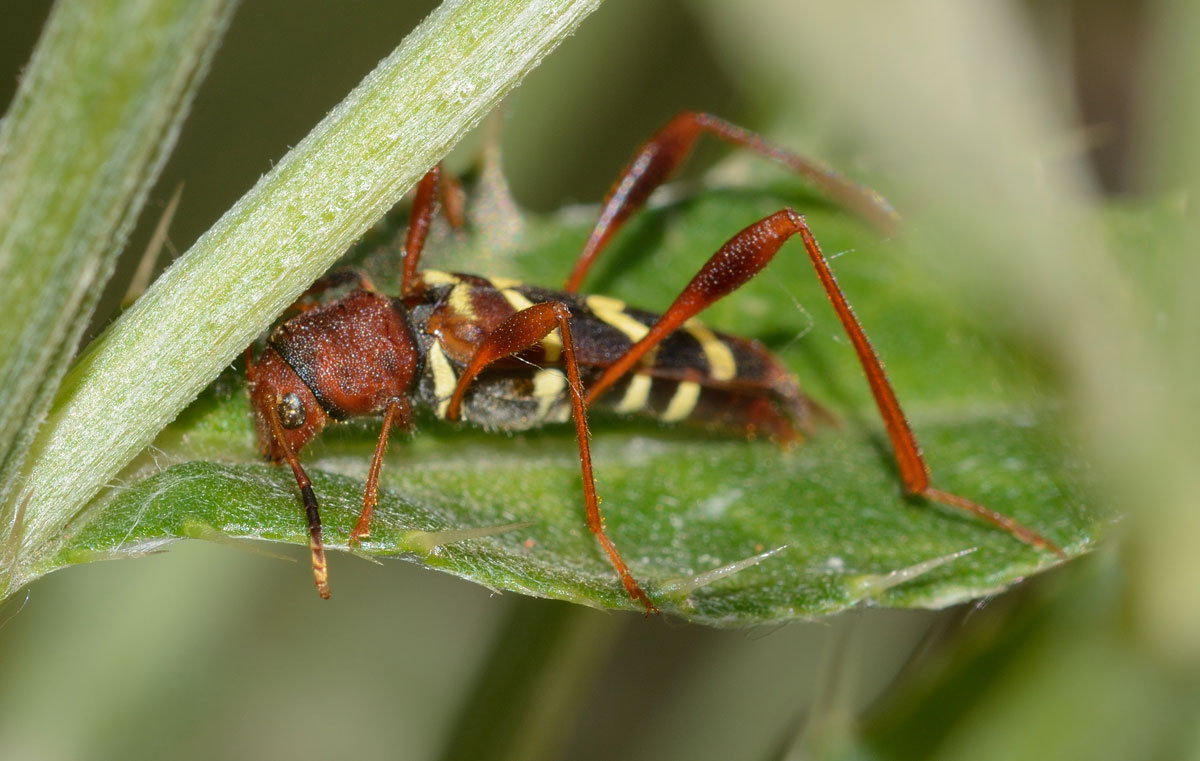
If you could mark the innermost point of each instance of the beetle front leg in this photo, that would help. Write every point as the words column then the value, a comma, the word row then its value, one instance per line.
column 398, row 410
column 436, row 184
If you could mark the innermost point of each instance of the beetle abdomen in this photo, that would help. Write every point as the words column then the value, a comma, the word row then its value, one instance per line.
column 694, row 374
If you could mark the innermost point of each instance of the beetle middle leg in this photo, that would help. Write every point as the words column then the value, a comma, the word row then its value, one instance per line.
column 521, row 331
column 432, row 186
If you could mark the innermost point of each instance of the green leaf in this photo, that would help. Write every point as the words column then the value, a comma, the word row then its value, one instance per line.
column 679, row 501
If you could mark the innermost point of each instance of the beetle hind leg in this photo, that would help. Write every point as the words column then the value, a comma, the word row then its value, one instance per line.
column 735, row 263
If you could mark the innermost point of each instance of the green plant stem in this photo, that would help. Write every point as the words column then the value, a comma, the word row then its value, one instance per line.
column 544, row 660
column 1162, row 556
column 276, row 240
column 96, row 114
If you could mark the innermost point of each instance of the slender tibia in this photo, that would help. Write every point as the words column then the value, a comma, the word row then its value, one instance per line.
column 317, row 547
column 397, row 408
column 517, row 333
column 663, row 153
column 741, row 259
column 914, row 471
column 423, row 207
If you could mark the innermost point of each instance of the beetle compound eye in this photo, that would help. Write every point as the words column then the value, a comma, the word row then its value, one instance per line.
column 290, row 411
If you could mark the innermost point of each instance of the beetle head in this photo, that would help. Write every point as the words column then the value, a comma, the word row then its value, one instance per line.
column 277, row 391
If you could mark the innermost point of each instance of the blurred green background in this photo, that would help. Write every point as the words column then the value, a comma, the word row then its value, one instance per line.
column 969, row 117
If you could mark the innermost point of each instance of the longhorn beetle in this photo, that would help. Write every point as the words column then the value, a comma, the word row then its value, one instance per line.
column 509, row 356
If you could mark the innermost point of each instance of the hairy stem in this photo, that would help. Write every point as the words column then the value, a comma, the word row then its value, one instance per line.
column 94, row 119
column 406, row 114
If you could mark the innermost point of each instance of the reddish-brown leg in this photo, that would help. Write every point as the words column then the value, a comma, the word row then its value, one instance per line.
column 317, row 547
column 397, row 408
column 663, row 153
column 741, row 259
column 433, row 185
column 454, row 200
column 423, row 208
column 519, row 332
